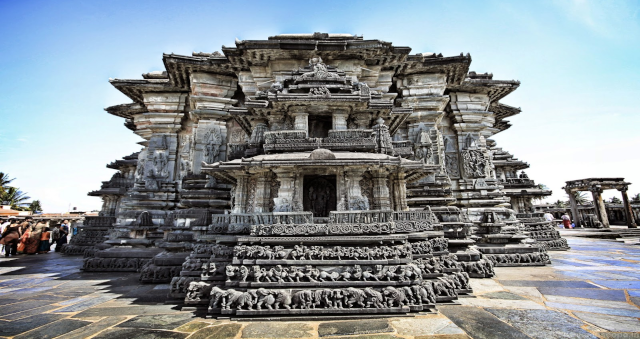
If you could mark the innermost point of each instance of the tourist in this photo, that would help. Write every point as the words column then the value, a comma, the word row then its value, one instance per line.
column 566, row 221
column 25, row 233
column 3, row 226
column 10, row 238
column 32, row 243
column 44, row 246
column 548, row 216
column 55, row 235
column 62, row 239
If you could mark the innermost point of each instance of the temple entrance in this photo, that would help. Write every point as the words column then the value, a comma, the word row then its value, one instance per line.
column 319, row 126
column 319, row 194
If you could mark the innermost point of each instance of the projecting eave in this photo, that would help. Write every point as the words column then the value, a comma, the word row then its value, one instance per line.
column 495, row 89
column 528, row 192
column 135, row 88
column 455, row 68
column 414, row 170
column 179, row 67
column 503, row 111
column 126, row 110
column 515, row 164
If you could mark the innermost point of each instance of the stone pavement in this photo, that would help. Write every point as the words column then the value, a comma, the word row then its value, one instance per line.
column 591, row 291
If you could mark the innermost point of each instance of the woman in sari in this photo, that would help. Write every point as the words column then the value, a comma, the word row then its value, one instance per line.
column 44, row 246
column 25, row 231
column 10, row 238
column 32, row 242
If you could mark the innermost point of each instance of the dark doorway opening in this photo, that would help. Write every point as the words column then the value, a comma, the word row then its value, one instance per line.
column 319, row 194
column 319, row 126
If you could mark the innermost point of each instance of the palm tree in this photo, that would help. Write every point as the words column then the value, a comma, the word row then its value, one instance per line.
column 560, row 204
column 580, row 197
column 4, row 181
column 35, row 207
column 14, row 197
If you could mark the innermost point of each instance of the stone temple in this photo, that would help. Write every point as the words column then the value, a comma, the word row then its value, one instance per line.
column 314, row 174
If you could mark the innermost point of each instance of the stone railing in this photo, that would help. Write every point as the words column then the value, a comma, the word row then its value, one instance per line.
column 368, row 216
column 224, row 220
column 284, row 136
column 518, row 182
column 402, row 148
column 99, row 221
column 302, row 217
column 297, row 140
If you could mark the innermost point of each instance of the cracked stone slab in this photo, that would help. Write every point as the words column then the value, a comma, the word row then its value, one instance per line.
column 610, row 322
column 478, row 323
column 280, row 330
column 543, row 324
column 355, row 327
column 54, row 329
column 225, row 331
column 137, row 333
column 591, row 309
column 160, row 321
column 94, row 328
column 432, row 325
column 24, row 325
column 585, row 293
column 592, row 302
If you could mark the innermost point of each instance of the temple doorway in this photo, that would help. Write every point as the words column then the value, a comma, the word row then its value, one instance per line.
column 319, row 194
column 319, row 126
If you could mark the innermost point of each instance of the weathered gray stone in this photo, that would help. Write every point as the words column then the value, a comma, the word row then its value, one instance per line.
column 353, row 327
column 268, row 330
column 225, row 331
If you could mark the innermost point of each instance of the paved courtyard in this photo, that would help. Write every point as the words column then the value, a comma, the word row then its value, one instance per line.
column 591, row 291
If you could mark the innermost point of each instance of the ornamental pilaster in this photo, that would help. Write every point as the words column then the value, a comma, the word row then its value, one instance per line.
column 340, row 119
column 399, row 194
column 263, row 191
column 240, row 193
column 355, row 199
column 301, row 118
column 284, row 202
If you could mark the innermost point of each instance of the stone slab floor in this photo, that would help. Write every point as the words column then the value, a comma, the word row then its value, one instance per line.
column 591, row 291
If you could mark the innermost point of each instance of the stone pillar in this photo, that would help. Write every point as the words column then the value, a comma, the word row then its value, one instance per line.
column 340, row 119
column 240, row 196
column 628, row 212
column 599, row 204
column 399, row 192
column 574, row 208
column 381, row 199
column 263, row 191
column 284, row 201
column 355, row 200
column 301, row 118
column 276, row 122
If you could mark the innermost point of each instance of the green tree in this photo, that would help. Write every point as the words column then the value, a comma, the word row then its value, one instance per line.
column 35, row 207
column 580, row 197
column 16, row 198
column 560, row 204
column 4, row 181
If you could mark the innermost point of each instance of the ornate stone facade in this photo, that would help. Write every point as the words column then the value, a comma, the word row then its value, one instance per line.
column 314, row 174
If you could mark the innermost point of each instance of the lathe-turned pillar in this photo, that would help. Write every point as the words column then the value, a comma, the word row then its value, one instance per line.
column 301, row 118
column 285, row 200
column 399, row 193
column 628, row 212
column 340, row 119
column 599, row 204
column 355, row 200
column 381, row 199
column 240, row 194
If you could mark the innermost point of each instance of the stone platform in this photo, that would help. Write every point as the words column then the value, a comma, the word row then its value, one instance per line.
column 590, row 291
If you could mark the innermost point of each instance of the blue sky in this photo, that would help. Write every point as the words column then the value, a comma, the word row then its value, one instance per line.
column 577, row 61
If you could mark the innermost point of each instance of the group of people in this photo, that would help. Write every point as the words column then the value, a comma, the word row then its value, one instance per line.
column 566, row 220
column 29, row 237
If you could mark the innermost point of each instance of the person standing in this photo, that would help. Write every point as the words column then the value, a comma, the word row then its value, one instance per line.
column 566, row 221
column 548, row 216
column 25, row 233
column 55, row 235
column 10, row 238
column 3, row 226
column 45, row 245
column 32, row 243
column 64, row 232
